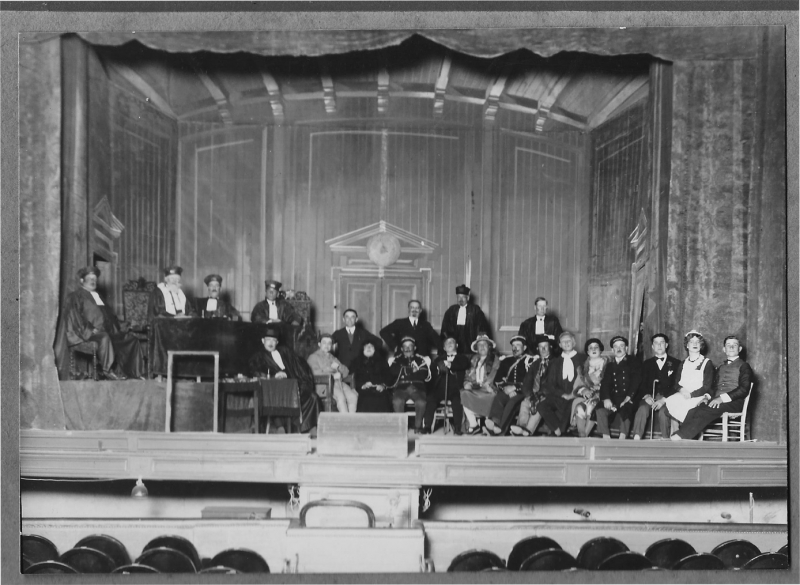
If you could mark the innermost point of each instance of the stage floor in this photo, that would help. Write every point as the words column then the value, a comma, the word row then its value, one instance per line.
column 431, row 460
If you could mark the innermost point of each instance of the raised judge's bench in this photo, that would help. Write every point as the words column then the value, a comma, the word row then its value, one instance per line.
column 235, row 341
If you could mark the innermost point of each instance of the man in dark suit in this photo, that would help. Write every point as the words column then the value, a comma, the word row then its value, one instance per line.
column 558, row 385
column 620, row 383
column 731, row 387
column 464, row 320
column 540, row 324
column 658, row 381
column 423, row 334
column 351, row 338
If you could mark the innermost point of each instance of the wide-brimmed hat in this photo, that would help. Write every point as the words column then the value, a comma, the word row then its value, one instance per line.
column 482, row 337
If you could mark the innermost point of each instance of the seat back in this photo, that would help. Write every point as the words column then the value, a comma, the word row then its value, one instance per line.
column 595, row 551
column 134, row 568
column 38, row 549
column 527, row 547
column 178, row 543
column 88, row 560
column 49, row 567
column 551, row 559
column 135, row 296
column 669, row 551
column 474, row 561
column 699, row 562
column 166, row 560
column 769, row 560
column 626, row 561
column 109, row 545
column 735, row 553
column 241, row 560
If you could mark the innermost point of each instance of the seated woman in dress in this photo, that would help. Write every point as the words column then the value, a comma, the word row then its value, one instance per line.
column 592, row 373
column 323, row 363
column 695, row 378
column 371, row 379
column 478, row 393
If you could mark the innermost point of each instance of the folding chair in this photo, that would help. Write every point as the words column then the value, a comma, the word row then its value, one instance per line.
column 733, row 425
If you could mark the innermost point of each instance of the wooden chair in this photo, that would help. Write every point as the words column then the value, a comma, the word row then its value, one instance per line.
column 240, row 389
column 732, row 426
column 135, row 296
column 87, row 348
column 327, row 380
column 444, row 413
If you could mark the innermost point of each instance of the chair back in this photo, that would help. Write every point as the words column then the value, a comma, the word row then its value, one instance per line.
column 178, row 543
column 746, row 402
column 88, row 560
column 135, row 296
column 240, row 560
column 475, row 561
column 109, row 545
column 735, row 553
column 595, row 551
column 166, row 560
column 38, row 549
column 49, row 567
column 526, row 548
column 669, row 551
column 551, row 559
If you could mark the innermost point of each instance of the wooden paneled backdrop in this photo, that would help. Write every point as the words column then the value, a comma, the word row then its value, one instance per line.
column 508, row 210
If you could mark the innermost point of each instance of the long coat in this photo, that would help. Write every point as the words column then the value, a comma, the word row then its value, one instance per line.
column 475, row 323
column 552, row 328
column 423, row 334
column 224, row 310
column 347, row 352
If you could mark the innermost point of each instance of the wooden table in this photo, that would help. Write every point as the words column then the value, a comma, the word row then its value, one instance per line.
column 170, row 359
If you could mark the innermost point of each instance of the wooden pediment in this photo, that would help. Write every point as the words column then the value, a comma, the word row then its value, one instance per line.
column 105, row 220
column 356, row 241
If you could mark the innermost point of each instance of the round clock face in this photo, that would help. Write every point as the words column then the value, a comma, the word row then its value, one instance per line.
column 383, row 249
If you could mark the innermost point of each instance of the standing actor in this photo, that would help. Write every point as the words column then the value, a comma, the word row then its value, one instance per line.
column 540, row 324
column 277, row 311
column 415, row 327
column 464, row 320
column 350, row 339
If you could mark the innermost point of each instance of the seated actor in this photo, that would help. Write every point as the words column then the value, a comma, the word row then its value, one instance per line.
column 510, row 376
column 658, row 384
column 559, row 384
column 731, row 387
column 279, row 361
column 529, row 419
column 414, row 326
column 323, row 363
column 168, row 299
column 88, row 318
column 448, row 369
column 479, row 390
column 277, row 311
column 592, row 373
column 371, row 379
column 349, row 340
column 540, row 324
column 213, row 307
column 695, row 378
column 620, row 384
column 464, row 320
column 409, row 372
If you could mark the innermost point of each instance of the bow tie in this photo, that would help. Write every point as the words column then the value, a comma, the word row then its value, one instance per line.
column 661, row 359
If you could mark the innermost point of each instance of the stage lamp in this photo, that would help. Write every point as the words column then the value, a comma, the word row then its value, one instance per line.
column 139, row 490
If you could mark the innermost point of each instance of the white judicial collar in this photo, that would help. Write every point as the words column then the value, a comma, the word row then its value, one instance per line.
column 539, row 325
column 172, row 302
column 211, row 305
column 462, row 316
column 97, row 298
column 278, row 359
column 273, row 310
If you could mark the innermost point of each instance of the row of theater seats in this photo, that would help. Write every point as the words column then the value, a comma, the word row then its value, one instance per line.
column 539, row 553
column 101, row 553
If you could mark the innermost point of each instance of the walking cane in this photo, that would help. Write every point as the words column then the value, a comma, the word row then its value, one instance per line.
column 446, row 383
column 653, row 412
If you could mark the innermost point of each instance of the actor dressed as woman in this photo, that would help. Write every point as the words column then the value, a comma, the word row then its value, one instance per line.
column 694, row 380
column 591, row 373
column 370, row 379
column 479, row 390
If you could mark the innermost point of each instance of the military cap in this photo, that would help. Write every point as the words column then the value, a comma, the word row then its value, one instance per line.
column 519, row 338
column 408, row 338
column 617, row 338
column 211, row 277
column 273, row 284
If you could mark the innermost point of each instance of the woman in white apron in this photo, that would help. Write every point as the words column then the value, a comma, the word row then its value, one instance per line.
column 693, row 384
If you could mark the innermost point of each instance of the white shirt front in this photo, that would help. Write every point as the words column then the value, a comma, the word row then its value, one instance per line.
column 539, row 325
column 211, row 305
column 413, row 322
column 462, row 316
column 273, row 310
column 350, row 330
column 278, row 359
column 97, row 298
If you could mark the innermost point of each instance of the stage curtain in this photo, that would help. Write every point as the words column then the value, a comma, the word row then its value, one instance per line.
column 40, row 232
column 726, row 269
column 736, row 42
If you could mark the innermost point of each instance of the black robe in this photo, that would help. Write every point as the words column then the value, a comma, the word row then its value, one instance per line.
column 287, row 315
column 157, row 306
column 224, row 310
column 373, row 369
column 296, row 368
column 552, row 328
column 117, row 350
column 464, row 334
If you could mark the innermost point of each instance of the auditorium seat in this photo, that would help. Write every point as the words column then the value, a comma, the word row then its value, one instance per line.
column 595, row 551
column 49, row 567
column 37, row 548
column 699, row 562
column 109, row 545
column 242, row 560
column 528, row 547
column 475, row 561
column 88, row 560
column 784, row 550
column 550, row 559
column 735, row 553
column 626, row 561
column 219, row 570
column 178, row 543
column 166, row 560
column 665, row 553
column 134, row 568
column 768, row 560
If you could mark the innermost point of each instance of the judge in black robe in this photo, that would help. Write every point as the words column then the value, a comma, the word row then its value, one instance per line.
column 213, row 307
column 266, row 363
column 88, row 318
column 474, row 321
column 168, row 299
column 277, row 311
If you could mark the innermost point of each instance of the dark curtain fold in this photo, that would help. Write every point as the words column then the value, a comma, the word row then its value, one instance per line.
column 726, row 268
column 669, row 43
column 40, row 232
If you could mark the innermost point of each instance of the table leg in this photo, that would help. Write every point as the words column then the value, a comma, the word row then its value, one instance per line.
column 168, row 414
